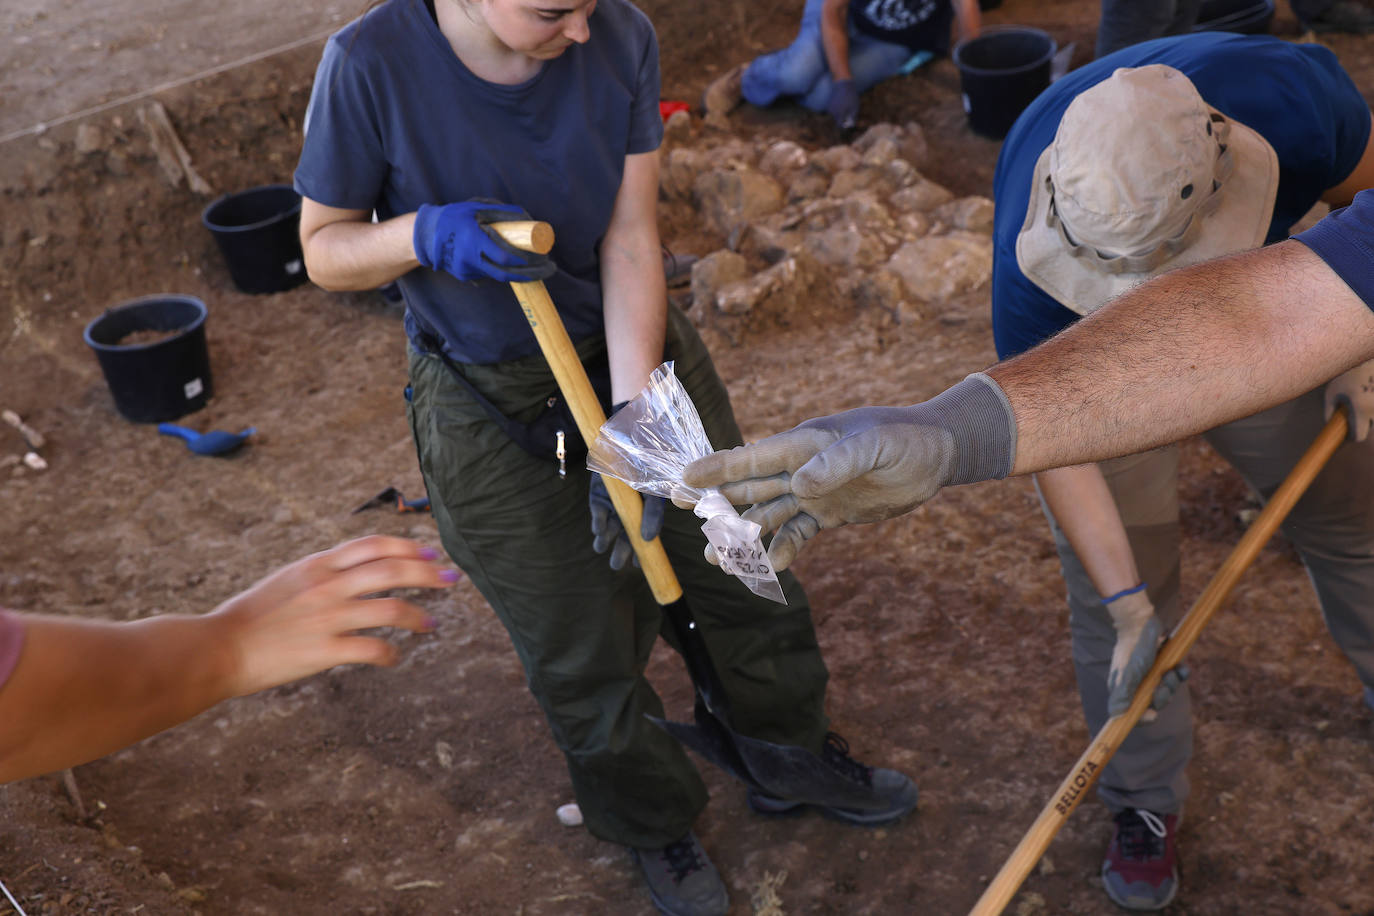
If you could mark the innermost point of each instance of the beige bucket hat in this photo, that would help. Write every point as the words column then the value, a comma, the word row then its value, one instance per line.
column 1143, row 176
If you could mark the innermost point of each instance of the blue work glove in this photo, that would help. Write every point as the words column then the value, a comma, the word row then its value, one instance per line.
column 458, row 239
column 1139, row 634
column 608, row 533
column 844, row 103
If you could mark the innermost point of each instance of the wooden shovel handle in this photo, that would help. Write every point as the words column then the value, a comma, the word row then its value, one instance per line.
column 577, row 390
column 1089, row 766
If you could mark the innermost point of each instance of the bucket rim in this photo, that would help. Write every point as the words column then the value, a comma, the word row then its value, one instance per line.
column 993, row 30
column 201, row 313
column 249, row 227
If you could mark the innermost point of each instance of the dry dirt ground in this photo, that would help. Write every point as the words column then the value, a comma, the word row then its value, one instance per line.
column 432, row 788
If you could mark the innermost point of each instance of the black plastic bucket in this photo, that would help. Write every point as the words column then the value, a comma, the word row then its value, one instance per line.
column 258, row 233
column 164, row 378
column 1001, row 72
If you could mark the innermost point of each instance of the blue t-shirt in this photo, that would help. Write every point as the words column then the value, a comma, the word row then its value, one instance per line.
column 1295, row 96
column 917, row 24
column 1345, row 241
column 396, row 120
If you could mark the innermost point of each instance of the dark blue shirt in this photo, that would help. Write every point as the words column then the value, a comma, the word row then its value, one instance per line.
column 1295, row 96
column 396, row 120
column 921, row 25
column 1345, row 241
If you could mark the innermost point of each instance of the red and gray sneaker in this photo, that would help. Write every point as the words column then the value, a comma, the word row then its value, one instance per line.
column 1141, row 868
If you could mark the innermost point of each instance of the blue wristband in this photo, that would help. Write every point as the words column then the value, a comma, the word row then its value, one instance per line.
column 1126, row 591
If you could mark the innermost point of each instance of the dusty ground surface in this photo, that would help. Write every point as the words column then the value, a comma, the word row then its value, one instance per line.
column 432, row 788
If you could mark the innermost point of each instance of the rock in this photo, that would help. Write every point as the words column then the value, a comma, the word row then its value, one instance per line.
column 761, row 242
column 90, row 138
column 783, row 158
column 938, row 267
column 865, row 210
column 841, row 246
column 878, row 133
column 881, row 152
column 913, row 144
column 970, row 213
column 810, row 184
column 847, row 181
column 883, row 290
column 680, row 171
column 677, row 129
column 722, row 97
column 716, row 270
column 914, row 225
column 570, row 815
column 839, row 158
column 784, row 290
column 730, row 199
column 116, row 163
column 922, row 196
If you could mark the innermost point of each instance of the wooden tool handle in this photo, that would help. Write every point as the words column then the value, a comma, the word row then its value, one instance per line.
column 1089, row 766
column 577, row 390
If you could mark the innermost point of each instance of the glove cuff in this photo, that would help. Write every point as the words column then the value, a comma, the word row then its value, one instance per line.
column 422, row 236
column 978, row 415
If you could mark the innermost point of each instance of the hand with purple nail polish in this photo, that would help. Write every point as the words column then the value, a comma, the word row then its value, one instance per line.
column 73, row 689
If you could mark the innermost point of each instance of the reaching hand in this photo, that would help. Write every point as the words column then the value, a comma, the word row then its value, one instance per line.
column 863, row 465
column 608, row 532
column 304, row 618
column 1354, row 389
column 458, row 238
column 1139, row 634
column 844, row 103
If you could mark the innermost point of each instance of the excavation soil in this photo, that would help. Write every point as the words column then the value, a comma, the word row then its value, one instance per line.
column 432, row 788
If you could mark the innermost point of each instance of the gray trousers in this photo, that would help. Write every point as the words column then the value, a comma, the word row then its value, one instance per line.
column 1332, row 527
column 583, row 632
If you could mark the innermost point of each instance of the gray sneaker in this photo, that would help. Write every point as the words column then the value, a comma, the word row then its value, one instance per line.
column 890, row 795
column 682, row 880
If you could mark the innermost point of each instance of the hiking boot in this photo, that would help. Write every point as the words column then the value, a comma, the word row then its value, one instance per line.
column 1141, row 868
column 890, row 794
column 1343, row 16
column 682, row 880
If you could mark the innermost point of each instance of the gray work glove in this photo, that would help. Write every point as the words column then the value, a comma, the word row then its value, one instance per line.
column 1354, row 389
column 863, row 465
column 843, row 103
column 1139, row 634
column 608, row 532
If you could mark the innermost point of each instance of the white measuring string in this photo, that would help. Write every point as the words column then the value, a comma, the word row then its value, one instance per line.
column 41, row 126
column 14, row 903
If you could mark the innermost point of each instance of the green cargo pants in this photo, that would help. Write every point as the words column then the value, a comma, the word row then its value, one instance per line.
column 584, row 632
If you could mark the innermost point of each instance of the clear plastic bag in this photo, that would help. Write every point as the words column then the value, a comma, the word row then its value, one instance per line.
column 648, row 443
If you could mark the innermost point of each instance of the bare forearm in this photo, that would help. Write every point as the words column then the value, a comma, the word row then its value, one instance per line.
column 835, row 38
column 1084, row 509
column 635, row 302
column 970, row 18
column 352, row 255
column 85, row 688
column 634, row 294
column 1189, row 351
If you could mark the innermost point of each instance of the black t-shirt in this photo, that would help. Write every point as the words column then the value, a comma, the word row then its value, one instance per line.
column 921, row 25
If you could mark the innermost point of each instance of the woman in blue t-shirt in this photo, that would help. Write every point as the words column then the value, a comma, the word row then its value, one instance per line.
column 425, row 115
column 845, row 47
